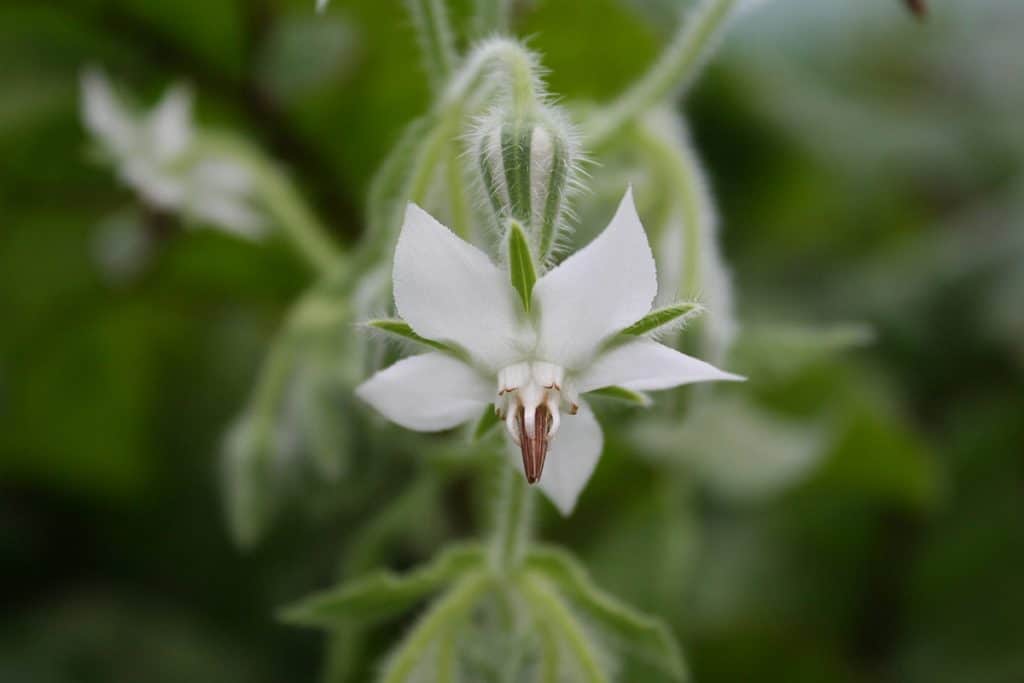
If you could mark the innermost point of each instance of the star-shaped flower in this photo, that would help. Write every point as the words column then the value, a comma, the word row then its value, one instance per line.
column 531, row 362
column 154, row 154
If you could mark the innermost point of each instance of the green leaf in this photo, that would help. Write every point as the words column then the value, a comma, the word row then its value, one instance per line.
column 623, row 394
column 382, row 594
column 400, row 328
column 248, row 486
column 779, row 350
column 637, row 634
column 520, row 263
column 550, row 609
column 488, row 421
column 663, row 317
column 438, row 622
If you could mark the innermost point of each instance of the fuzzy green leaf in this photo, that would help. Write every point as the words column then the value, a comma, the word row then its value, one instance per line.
column 444, row 615
column 382, row 594
column 663, row 317
column 400, row 328
column 520, row 263
column 623, row 394
column 637, row 634
column 548, row 607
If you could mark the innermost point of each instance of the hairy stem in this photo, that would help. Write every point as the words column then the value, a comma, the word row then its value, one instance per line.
column 678, row 165
column 491, row 17
column 302, row 229
column 513, row 517
column 676, row 68
column 433, row 28
column 299, row 225
column 500, row 54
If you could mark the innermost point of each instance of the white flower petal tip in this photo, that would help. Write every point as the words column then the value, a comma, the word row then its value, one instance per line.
column 646, row 365
column 601, row 289
column 427, row 393
column 170, row 123
column 448, row 290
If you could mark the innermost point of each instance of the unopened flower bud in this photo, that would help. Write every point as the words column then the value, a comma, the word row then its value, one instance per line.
column 527, row 166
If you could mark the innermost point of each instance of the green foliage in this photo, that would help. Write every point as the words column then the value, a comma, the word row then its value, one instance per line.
column 661, row 318
column 521, row 269
column 635, row 634
column 384, row 594
column 852, row 511
column 637, row 398
column 401, row 329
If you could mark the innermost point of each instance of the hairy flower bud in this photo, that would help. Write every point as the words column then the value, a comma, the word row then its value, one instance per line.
column 527, row 166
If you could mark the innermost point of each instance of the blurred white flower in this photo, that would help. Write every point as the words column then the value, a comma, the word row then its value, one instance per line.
column 155, row 154
column 530, row 366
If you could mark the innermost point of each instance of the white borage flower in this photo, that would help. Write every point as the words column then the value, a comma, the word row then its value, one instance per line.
column 155, row 154
column 531, row 362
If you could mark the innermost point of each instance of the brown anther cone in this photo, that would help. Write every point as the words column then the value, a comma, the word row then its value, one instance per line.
column 534, row 446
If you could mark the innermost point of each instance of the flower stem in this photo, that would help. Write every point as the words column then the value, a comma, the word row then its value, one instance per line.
column 298, row 224
column 456, row 186
column 674, row 71
column 430, row 17
column 513, row 517
column 498, row 54
column 491, row 17
column 676, row 162
column 305, row 233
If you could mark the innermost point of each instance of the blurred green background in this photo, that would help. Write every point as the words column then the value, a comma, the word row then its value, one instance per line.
column 867, row 168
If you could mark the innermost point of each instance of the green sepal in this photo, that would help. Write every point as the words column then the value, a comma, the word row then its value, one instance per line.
column 521, row 268
column 399, row 328
column 636, row 634
column 516, row 140
column 382, row 594
column 488, row 421
column 556, row 195
column 617, row 393
column 662, row 317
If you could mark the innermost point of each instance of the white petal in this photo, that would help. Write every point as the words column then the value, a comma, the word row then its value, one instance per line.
column 170, row 124
column 448, row 290
column 646, row 365
column 599, row 290
column 104, row 114
column 572, row 457
column 222, row 175
column 161, row 189
column 427, row 393
column 230, row 214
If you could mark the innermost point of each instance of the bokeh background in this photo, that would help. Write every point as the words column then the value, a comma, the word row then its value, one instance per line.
column 867, row 167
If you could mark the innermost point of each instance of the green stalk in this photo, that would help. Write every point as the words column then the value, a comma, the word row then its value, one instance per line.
column 681, row 170
column 676, row 68
column 513, row 517
column 298, row 224
column 491, row 17
column 504, row 53
column 433, row 28
column 461, row 214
